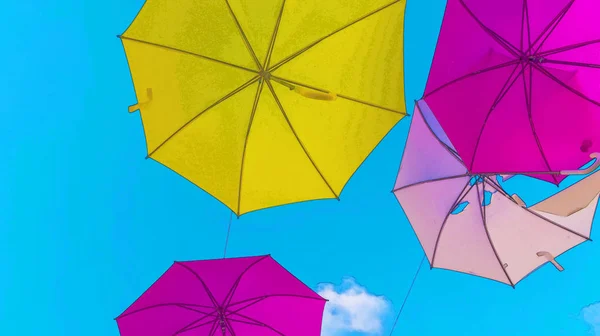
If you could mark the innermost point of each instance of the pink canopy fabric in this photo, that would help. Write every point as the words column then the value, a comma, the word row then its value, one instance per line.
column 467, row 223
column 515, row 84
column 225, row 297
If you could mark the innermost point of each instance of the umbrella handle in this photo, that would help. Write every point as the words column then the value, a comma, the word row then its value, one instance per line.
column 314, row 94
column 137, row 106
column 587, row 170
column 550, row 259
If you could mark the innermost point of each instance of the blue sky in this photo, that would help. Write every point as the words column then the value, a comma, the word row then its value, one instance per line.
column 86, row 224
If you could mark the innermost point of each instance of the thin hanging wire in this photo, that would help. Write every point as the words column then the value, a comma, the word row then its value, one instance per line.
column 407, row 294
column 227, row 237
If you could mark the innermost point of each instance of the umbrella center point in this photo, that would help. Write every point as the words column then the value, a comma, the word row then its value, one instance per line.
column 264, row 75
column 533, row 59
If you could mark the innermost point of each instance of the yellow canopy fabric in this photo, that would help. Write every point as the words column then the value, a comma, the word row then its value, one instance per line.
column 270, row 102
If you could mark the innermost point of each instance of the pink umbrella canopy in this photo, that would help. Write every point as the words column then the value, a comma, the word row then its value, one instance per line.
column 467, row 223
column 225, row 297
column 515, row 84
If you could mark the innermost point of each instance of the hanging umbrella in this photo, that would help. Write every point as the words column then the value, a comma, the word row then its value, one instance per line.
column 225, row 297
column 264, row 103
column 467, row 223
column 514, row 84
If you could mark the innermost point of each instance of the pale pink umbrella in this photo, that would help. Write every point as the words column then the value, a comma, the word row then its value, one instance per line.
column 468, row 223
column 225, row 297
column 515, row 84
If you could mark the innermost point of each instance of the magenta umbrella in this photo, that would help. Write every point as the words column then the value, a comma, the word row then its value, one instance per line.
column 225, row 297
column 468, row 223
column 515, row 84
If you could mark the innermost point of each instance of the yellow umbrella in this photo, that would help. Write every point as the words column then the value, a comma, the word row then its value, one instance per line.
column 266, row 102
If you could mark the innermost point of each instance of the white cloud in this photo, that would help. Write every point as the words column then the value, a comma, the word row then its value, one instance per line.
column 591, row 314
column 352, row 309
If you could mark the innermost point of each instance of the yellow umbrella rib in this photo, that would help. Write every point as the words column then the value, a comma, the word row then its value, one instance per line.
column 298, row 139
column 246, row 41
column 254, row 106
column 301, row 51
column 274, row 37
column 229, row 95
column 286, row 82
column 186, row 52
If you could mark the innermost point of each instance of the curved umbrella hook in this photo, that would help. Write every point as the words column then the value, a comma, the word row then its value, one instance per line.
column 146, row 100
column 551, row 259
column 586, row 171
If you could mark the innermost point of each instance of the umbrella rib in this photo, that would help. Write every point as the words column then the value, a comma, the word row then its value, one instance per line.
column 229, row 95
column 263, row 297
column 229, row 295
column 528, row 103
column 189, row 327
column 229, row 327
column 522, row 23
column 487, row 232
column 299, row 141
column 430, row 181
column 495, row 36
column 246, row 42
column 548, row 26
column 553, row 24
column 264, row 325
column 173, row 304
column 229, row 312
column 567, row 48
column 563, row 84
column 213, row 329
column 503, row 91
column 273, row 37
column 471, row 74
column 498, row 187
column 266, row 296
column 521, row 173
column 301, row 51
column 252, row 114
column 575, row 64
column 206, row 289
column 356, row 100
column 245, row 322
column 459, row 198
column 526, row 13
column 186, row 52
